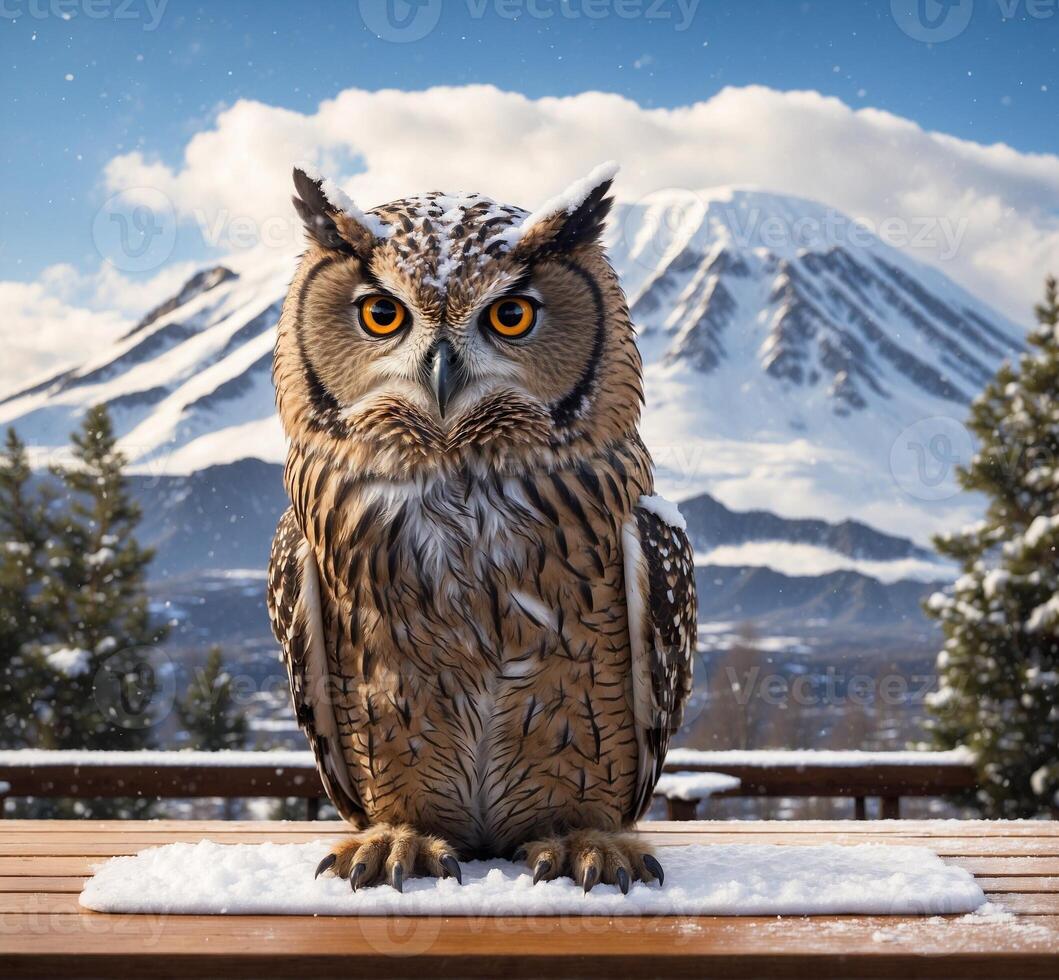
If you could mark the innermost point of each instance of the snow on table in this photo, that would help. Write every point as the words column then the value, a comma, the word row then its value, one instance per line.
column 694, row 785
column 741, row 879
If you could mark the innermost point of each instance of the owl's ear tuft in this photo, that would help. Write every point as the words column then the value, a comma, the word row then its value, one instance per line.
column 331, row 219
column 576, row 217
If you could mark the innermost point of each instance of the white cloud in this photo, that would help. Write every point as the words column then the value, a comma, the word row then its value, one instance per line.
column 108, row 290
column 67, row 316
column 869, row 163
column 44, row 334
column 233, row 185
column 807, row 559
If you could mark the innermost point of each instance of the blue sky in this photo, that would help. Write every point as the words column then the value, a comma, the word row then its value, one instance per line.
column 80, row 91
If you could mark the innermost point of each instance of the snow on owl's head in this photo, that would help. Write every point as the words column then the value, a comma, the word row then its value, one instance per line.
column 447, row 330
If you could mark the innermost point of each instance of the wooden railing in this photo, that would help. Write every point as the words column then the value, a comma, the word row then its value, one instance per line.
column 237, row 775
column 888, row 776
column 163, row 775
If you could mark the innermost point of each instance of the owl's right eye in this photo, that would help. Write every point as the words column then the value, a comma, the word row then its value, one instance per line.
column 381, row 316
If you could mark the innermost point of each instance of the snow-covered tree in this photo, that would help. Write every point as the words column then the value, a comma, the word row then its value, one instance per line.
column 209, row 711
column 23, row 617
column 97, row 602
column 999, row 668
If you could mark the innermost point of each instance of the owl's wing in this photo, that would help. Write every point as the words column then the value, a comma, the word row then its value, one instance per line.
column 663, row 626
column 297, row 622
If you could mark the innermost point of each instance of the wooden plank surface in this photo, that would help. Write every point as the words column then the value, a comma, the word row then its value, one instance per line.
column 68, row 945
column 249, row 829
column 44, row 932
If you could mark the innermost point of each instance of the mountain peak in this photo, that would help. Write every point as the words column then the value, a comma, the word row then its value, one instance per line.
column 201, row 282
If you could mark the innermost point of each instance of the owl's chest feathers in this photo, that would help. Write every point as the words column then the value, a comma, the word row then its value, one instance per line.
column 450, row 534
column 472, row 612
column 427, row 583
column 427, row 605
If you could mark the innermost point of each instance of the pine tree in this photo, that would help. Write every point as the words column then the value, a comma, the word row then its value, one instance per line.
column 23, row 619
column 209, row 712
column 211, row 716
column 999, row 668
column 102, row 678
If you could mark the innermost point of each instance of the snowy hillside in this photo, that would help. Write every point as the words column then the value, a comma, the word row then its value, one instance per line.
column 784, row 356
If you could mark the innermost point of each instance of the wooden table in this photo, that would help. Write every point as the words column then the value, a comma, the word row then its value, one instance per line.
column 43, row 931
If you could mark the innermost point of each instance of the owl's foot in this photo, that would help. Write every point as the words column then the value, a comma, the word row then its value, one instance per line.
column 591, row 857
column 387, row 854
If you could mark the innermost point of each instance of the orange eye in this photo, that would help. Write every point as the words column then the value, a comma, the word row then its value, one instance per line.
column 512, row 317
column 382, row 315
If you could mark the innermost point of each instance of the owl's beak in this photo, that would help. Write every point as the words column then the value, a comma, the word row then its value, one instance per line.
column 446, row 375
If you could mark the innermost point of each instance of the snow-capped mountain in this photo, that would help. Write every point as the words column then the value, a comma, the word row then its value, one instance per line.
column 794, row 362
column 785, row 351
column 742, row 282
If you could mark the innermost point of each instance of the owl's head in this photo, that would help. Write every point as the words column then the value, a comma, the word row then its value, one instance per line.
column 449, row 330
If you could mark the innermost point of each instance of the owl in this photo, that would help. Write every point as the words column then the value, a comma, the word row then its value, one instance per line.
column 486, row 615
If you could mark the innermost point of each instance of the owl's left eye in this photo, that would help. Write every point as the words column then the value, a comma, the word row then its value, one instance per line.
column 512, row 317
column 382, row 316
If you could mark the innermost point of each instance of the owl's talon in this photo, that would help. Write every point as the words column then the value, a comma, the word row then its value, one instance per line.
column 452, row 868
column 389, row 854
column 652, row 865
column 326, row 864
column 519, row 856
column 592, row 857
